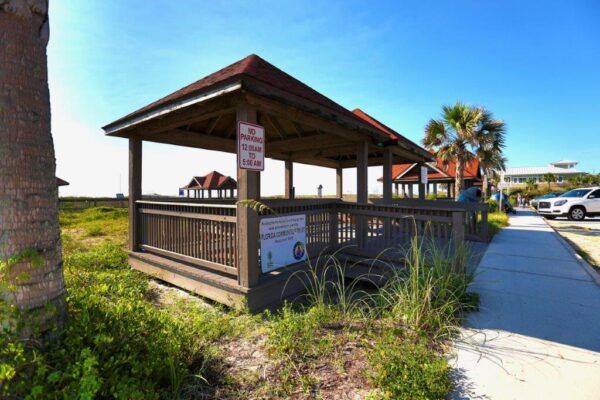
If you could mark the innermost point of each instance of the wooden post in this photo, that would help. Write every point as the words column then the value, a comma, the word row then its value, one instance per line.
column 339, row 181
column 289, row 179
column 362, row 169
column 484, row 224
column 458, row 229
column 362, row 190
column 396, row 188
column 247, row 219
column 387, row 176
column 435, row 188
column 410, row 190
column 333, row 228
column 422, row 187
column 135, row 189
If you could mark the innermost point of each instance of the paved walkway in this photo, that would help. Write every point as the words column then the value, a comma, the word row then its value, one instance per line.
column 537, row 334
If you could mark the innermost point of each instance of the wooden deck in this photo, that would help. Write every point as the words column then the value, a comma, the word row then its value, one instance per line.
column 194, row 245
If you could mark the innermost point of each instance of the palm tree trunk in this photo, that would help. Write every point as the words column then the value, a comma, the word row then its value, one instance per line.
column 30, row 250
column 459, row 180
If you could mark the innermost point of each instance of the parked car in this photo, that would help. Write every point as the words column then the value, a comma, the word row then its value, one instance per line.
column 534, row 202
column 575, row 204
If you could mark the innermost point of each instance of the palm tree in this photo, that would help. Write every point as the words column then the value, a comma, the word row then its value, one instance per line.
column 31, row 275
column 463, row 132
column 549, row 178
column 492, row 162
column 530, row 186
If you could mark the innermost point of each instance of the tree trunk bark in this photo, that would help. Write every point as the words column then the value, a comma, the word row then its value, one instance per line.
column 459, row 180
column 30, row 250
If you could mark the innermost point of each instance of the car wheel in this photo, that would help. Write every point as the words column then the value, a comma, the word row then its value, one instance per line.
column 577, row 214
column 549, row 216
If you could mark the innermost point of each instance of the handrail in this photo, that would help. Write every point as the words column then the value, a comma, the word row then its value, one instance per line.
column 204, row 205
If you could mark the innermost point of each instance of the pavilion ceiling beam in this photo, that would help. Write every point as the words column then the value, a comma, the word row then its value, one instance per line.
column 183, row 118
column 291, row 113
column 194, row 139
column 405, row 155
column 305, row 143
column 297, row 128
column 326, row 151
column 214, row 123
column 232, row 129
column 372, row 161
column 275, row 125
column 320, row 162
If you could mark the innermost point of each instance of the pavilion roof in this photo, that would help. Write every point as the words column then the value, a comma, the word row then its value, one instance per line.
column 61, row 182
column 212, row 181
column 436, row 171
column 300, row 123
column 251, row 66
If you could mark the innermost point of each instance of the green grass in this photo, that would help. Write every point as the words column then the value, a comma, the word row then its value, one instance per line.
column 126, row 340
column 120, row 342
column 496, row 221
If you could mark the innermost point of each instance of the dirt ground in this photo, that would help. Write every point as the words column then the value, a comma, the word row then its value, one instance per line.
column 584, row 235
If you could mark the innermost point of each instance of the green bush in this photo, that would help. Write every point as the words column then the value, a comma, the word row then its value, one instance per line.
column 411, row 371
column 430, row 295
column 116, row 344
column 292, row 334
column 492, row 204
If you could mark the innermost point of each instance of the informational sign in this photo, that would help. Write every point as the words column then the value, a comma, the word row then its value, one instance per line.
column 251, row 146
column 424, row 175
column 282, row 241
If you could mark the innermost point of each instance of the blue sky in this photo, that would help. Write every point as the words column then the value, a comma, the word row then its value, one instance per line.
column 534, row 64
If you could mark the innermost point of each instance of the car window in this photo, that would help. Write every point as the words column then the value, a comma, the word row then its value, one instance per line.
column 595, row 193
column 576, row 193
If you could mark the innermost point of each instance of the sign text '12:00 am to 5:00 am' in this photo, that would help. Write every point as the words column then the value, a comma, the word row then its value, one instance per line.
column 251, row 146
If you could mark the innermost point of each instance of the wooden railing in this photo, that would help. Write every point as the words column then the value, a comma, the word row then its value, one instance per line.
column 201, row 234
column 319, row 216
column 370, row 228
column 386, row 226
column 475, row 214
column 205, row 234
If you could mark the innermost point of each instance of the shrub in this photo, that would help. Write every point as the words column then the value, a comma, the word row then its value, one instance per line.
column 95, row 231
column 292, row 334
column 116, row 344
column 412, row 371
column 429, row 296
column 492, row 204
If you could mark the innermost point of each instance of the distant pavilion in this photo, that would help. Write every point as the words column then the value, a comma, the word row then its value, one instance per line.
column 205, row 186
column 406, row 176
column 61, row 182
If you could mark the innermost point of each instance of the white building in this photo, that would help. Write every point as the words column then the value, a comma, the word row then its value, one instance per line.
column 562, row 170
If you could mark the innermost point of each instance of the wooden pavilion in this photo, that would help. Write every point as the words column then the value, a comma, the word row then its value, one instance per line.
column 61, row 182
column 201, row 187
column 212, row 247
column 406, row 176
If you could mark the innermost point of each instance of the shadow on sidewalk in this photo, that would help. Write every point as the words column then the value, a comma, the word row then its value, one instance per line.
column 530, row 284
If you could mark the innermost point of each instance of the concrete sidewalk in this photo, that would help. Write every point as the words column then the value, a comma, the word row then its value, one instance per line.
column 537, row 334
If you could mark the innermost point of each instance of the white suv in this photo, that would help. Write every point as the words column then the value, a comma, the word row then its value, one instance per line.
column 575, row 204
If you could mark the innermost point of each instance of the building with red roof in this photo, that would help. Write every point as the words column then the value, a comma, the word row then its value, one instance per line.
column 405, row 176
column 200, row 186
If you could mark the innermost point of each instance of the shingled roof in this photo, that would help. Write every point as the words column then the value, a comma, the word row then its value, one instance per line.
column 439, row 171
column 61, row 182
column 212, row 181
column 203, row 113
column 254, row 67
